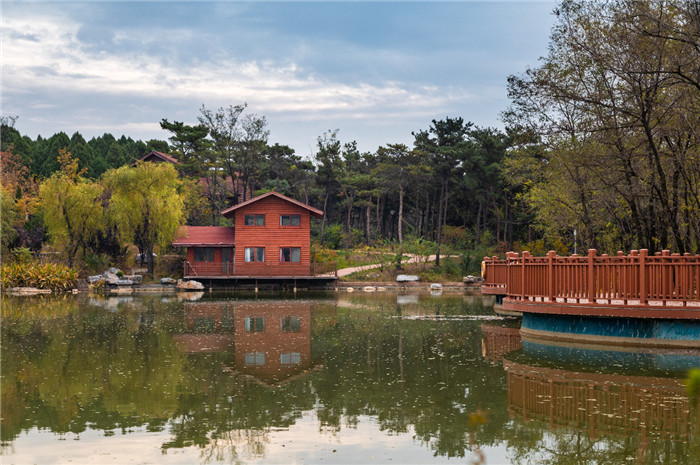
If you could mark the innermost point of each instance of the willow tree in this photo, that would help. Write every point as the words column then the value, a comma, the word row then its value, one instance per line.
column 146, row 205
column 72, row 207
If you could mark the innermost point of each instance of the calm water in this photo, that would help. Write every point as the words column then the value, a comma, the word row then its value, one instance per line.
column 327, row 378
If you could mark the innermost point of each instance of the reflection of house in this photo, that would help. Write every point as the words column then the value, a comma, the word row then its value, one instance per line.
column 271, row 239
column 602, row 404
column 498, row 341
column 210, row 327
column 273, row 340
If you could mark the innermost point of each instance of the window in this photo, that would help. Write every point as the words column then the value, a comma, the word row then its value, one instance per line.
column 204, row 254
column 255, row 324
column 255, row 220
column 291, row 358
column 290, row 254
column 290, row 220
column 290, row 324
column 255, row 358
column 255, row 254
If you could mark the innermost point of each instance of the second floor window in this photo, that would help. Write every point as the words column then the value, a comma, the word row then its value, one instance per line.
column 290, row 220
column 255, row 220
column 255, row 254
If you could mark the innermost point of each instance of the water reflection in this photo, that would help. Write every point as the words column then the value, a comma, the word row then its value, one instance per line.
column 244, row 379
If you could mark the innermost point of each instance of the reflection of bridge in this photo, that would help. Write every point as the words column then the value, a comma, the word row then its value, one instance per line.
column 602, row 404
column 498, row 340
column 637, row 286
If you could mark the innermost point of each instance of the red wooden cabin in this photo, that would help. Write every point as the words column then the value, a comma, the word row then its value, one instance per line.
column 270, row 239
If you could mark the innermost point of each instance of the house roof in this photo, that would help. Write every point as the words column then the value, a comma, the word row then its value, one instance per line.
column 314, row 212
column 221, row 236
column 162, row 156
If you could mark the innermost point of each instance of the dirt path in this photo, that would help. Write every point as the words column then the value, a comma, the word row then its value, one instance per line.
column 346, row 271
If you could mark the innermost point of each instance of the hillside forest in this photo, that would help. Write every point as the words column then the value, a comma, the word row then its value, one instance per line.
column 601, row 149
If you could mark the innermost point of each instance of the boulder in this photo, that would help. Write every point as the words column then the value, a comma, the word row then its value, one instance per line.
column 369, row 289
column 190, row 285
column 405, row 278
column 136, row 278
column 472, row 279
column 96, row 278
column 112, row 270
column 167, row 281
column 435, row 287
column 122, row 282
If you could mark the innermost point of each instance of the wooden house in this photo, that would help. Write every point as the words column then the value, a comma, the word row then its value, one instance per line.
column 157, row 157
column 270, row 239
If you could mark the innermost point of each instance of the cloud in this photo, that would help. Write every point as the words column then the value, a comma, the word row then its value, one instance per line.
column 55, row 58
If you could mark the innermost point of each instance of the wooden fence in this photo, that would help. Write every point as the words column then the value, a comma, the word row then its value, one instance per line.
column 663, row 279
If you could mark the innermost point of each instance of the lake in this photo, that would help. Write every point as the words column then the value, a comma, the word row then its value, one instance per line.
column 340, row 378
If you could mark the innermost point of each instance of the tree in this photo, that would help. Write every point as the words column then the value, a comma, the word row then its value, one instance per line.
column 145, row 205
column 72, row 208
column 398, row 168
column 616, row 102
column 190, row 145
column 443, row 143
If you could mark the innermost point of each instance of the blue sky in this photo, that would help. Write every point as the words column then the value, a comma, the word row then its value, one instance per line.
column 374, row 70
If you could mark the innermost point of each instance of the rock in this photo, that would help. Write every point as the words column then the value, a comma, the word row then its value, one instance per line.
column 136, row 278
column 472, row 279
column 350, row 289
column 74, row 291
column 96, row 278
column 167, row 281
column 435, row 287
column 190, row 285
column 123, row 282
column 381, row 288
column 369, row 288
column 27, row 291
column 113, row 270
column 403, row 278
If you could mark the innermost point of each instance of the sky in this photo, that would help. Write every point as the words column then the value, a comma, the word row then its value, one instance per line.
column 376, row 71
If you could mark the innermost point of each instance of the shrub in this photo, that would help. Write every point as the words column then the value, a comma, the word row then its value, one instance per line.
column 22, row 255
column 52, row 276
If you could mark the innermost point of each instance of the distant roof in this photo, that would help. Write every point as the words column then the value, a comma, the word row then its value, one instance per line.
column 221, row 236
column 315, row 212
column 160, row 155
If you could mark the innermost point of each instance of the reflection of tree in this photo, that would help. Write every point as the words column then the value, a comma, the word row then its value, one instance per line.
column 367, row 355
column 72, row 368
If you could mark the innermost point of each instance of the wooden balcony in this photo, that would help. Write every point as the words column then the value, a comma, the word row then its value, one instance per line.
column 260, row 270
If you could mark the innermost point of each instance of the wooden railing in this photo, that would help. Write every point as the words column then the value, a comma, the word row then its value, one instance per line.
column 603, row 404
column 227, row 269
column 663, row 279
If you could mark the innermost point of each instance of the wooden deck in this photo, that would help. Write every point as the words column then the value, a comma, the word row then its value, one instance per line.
column 227, row 271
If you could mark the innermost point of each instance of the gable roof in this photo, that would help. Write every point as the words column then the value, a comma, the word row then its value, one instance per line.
column 162, row 156
column 314, row 212
column 221, row 236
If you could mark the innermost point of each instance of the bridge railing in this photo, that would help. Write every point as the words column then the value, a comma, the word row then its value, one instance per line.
column 634, row 279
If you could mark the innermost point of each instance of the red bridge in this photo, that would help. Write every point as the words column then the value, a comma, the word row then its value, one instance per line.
column 637, row 285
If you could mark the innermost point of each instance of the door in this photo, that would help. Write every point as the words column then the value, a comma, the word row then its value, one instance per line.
column 227, row 260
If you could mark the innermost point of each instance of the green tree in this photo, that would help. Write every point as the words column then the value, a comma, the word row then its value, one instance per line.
column 146, row 205
column 72, row 208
